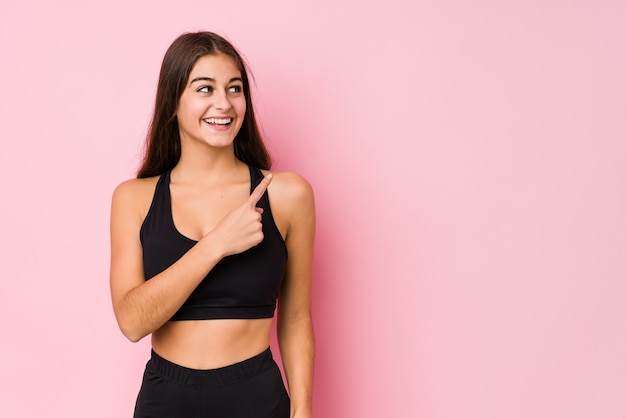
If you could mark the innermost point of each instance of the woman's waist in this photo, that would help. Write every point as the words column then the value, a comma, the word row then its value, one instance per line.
column 216, row 377
column 214, row 343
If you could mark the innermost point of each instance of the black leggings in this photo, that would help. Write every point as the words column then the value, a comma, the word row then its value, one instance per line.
column 252, row 388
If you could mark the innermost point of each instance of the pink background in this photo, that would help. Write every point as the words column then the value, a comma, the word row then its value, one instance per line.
column 468, row 161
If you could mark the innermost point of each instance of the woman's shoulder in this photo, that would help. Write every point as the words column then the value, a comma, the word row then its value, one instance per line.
column 290, row 185
column 293, row 206
column 291, row 197
column 135, row 193
column 136, row 186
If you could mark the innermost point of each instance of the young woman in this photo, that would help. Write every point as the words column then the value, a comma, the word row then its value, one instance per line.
column 205, row 241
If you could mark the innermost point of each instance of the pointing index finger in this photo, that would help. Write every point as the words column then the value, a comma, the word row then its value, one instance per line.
column 259, row 190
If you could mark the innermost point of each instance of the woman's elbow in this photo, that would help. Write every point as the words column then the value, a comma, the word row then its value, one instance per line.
column 130, row 329
column 133, row 337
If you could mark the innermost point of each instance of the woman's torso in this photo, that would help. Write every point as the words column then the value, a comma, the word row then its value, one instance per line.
column 209, row 343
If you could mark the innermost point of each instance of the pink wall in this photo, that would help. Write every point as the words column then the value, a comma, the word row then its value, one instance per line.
column 468, row 160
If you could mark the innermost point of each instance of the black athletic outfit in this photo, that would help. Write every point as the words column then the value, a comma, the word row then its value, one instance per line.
column 241, row 286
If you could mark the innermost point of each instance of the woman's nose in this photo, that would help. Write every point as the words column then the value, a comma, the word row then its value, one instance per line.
column 221, row 101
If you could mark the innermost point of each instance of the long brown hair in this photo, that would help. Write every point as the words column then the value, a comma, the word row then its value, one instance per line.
column 163, row 148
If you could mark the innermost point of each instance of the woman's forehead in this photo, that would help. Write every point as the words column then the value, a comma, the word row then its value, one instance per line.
column 215, row 66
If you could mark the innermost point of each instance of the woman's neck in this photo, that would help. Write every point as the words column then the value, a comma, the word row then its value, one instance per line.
column 207, row 164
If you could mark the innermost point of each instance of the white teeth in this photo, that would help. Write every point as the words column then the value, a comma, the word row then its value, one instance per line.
column 217, row 121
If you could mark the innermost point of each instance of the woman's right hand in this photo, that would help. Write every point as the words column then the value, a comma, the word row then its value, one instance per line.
column 241, row 229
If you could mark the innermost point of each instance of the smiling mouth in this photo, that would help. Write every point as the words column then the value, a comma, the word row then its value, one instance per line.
column 218, row 121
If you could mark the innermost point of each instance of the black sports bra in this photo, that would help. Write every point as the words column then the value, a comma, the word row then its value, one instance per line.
column 240, row 286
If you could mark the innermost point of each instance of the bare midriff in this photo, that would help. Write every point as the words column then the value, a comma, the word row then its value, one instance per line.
column 213, row 343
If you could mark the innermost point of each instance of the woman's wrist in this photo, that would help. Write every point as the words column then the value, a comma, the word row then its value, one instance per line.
column 211, row 247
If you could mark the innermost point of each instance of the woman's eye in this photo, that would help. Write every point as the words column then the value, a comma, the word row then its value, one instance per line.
column 205, row 89
column 235, row 89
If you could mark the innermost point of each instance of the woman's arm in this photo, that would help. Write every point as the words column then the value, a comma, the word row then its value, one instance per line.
column 141, row 306
column 295, row 328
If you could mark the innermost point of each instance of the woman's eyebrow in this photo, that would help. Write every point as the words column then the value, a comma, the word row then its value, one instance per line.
column 202, row 79
column 212, row 80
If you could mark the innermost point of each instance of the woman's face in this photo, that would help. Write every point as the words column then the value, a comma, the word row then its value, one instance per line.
column 213, row 105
